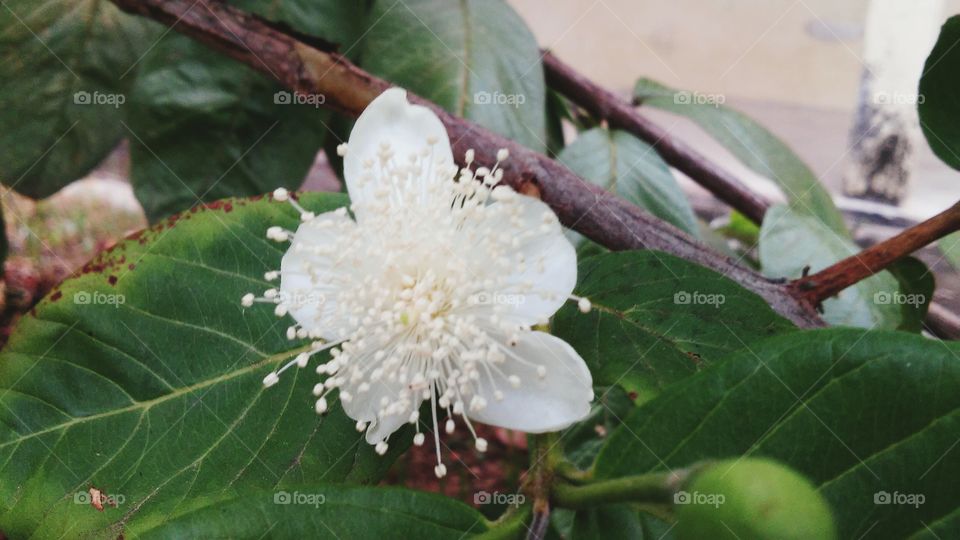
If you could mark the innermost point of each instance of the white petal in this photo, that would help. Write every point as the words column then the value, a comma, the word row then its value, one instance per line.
column 551, row 266
column 365, row 406
column 407, row 128
column 539, row 405
column 313, row 301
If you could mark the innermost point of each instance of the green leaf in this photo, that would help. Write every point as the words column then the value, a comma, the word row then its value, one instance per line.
column 335, row 21
column 583, row 440
column 939, row 106
column 657, row 319
column 950, row 247
column 740, row 228
column 619, row 162
column 599, row 523
column 203, row 127
column 857, row 412
column 752, row 144
column 475, row 58
column 142, row 377
column 916, row 292
column 67, row 67
column 791, row 241
column 558, row 110
column 326, row 511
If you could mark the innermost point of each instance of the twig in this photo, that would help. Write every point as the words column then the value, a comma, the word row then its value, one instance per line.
column 942, row 323
column 597, row 214
column 620, row 114
column 826, row 283
column 718, row 181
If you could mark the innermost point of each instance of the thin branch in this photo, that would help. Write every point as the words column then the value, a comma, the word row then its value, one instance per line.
column 726, row 187
column 620, row 114
column 831, row 280
column 597, row 214
column 942, row 323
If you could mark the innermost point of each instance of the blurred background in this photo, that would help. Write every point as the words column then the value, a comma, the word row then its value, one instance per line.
column 796, row 66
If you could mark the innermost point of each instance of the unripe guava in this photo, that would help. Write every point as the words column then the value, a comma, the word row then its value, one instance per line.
column 751, row 499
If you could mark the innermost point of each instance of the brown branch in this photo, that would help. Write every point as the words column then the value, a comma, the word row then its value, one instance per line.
column 831, row 280
column 942, row 323
column 597, row 214
column 620, row 114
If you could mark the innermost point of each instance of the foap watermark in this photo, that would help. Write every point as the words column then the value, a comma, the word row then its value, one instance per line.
column 299, row 497
column 698, row 98
column 500, row 299
column 82, row 97
column 898, row 98
column 97, row 298
column 498, row 98
column 506, row 499
column 685, row 298
column 696, row 497
column 98, row 498
column 897, row 298
column 301, row 300
column 909, row 499
column 299, row 98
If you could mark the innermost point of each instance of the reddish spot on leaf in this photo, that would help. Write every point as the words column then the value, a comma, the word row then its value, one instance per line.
column 96, row 498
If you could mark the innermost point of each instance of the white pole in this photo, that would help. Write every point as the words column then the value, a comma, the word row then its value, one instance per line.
column 899, row 34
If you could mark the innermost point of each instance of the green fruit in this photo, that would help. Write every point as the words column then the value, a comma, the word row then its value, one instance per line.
column 751, row 499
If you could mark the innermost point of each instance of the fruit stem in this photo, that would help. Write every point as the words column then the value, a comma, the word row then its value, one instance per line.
column 653, row 488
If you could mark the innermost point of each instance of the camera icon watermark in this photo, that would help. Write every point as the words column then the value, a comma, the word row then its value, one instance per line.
column 299, row 98
column 299, row 497
column 504, row 499
column 82, row 97
column 86, row 298
column 498, row 98
column 696, row 497
column 897, row 298
column 686, row 298
column 909, row 499
column 698, row 98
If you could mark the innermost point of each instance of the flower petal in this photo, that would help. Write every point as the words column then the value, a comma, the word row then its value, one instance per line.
column 540, row 404
column 365, row 407
column 309, row 280
column 551, row 265
column 392, row 119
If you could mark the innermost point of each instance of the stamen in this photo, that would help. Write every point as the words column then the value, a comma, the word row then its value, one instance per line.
column 583, row 304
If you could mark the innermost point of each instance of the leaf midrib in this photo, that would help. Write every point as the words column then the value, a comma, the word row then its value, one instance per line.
column 146, row 405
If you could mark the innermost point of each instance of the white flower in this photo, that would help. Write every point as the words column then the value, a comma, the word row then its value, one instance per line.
column 432, row 292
